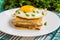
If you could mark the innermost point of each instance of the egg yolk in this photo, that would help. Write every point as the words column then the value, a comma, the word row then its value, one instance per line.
column 27, row 8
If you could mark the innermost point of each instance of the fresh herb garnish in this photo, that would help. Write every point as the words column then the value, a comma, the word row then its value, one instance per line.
column 18, row 12
column 37, row 11
column 45, row 23
column 33, row 11
column 33, row 15
column 42, row 13
column 14, row 14
column 24, row 12
column 27, row 14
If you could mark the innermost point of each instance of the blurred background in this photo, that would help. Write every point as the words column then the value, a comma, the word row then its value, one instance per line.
column 53, row 5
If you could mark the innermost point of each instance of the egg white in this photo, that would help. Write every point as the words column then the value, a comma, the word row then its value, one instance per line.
column 37, row 15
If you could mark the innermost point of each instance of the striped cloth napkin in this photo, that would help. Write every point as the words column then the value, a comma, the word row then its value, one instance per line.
column 52, row 36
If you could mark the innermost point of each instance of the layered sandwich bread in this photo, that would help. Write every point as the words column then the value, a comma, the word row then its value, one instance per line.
column 28, row 17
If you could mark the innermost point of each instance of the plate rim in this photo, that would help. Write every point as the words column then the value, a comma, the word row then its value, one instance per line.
column 28, row 35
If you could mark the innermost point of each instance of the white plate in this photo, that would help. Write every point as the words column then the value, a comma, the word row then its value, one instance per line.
column 51, row 19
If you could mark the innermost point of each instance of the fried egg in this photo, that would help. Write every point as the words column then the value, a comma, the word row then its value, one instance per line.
column 29, row 12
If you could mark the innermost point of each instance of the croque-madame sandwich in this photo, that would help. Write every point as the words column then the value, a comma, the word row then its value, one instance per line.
column 28, row 17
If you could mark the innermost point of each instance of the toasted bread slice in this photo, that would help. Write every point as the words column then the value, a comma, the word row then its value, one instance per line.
column 26, row 23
